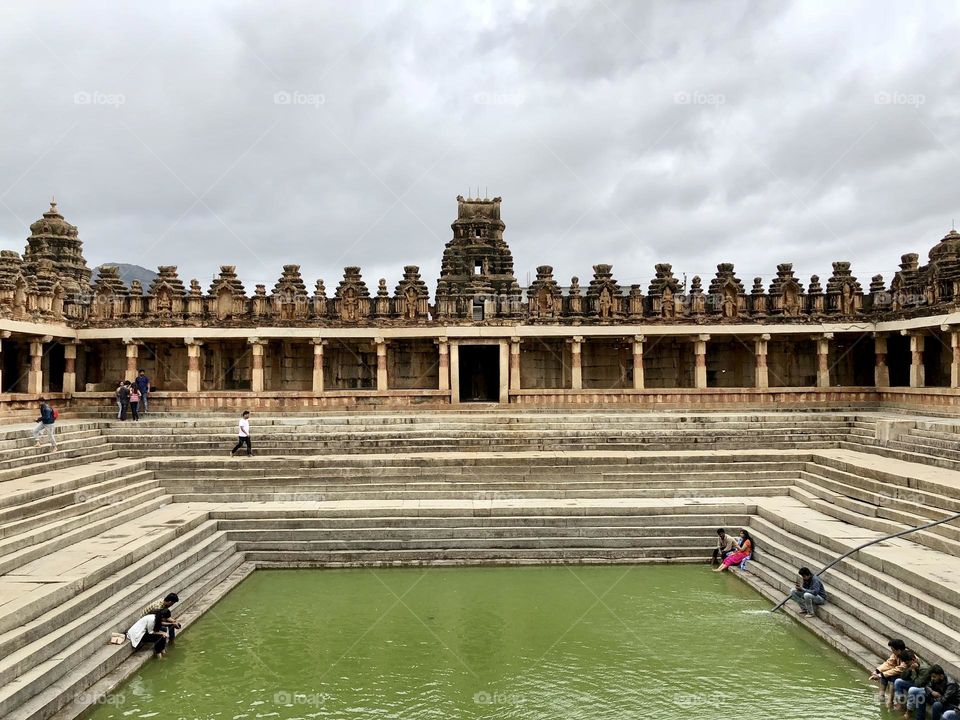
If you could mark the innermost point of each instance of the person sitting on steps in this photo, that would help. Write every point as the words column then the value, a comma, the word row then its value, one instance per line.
column 726, row 544
column 930, row 688
column 165, row 603
column 744, row 551
column 146, row 631
column 809, row 591
column 902, row 661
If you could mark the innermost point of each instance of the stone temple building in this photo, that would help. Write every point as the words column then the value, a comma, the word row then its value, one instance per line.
column 483, row 338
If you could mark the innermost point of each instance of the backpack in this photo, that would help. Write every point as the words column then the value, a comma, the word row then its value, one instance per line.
column 55, row 413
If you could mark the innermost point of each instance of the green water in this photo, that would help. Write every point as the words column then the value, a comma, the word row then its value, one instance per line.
column 604, row 642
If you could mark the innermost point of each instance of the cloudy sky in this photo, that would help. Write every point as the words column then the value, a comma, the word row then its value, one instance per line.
column 339, row 133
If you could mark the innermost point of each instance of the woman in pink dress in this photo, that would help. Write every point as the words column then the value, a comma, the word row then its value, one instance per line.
column 745, row 552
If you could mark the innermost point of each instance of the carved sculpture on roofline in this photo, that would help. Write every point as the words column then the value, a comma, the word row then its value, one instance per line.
column 51, row 282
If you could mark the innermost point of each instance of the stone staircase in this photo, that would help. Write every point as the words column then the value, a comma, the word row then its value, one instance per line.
column 122, row 512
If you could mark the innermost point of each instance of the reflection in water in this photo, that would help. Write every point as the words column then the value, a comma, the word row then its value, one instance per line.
column 611, row 642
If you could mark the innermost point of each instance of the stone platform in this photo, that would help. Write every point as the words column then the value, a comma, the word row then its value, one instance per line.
column 122, row 512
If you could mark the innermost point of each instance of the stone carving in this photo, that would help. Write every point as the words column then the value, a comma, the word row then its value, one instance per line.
column 52, row 283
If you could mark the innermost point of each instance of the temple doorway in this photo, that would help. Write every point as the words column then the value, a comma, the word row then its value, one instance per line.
column 479, row 373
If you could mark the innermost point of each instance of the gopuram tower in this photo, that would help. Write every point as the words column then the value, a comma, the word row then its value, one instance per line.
column 476, row 275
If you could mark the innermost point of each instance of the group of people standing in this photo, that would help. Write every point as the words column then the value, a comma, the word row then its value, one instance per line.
column 132, row 396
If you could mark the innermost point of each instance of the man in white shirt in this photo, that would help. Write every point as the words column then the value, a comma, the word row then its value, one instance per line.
column 146, row 631
column 243, row 434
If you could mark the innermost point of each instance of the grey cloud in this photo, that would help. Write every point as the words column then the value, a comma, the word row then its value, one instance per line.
column 621, row 132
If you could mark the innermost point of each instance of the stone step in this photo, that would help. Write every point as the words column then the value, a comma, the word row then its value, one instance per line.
column 774, row 589
column 306, row 494
column 57, row 576
column 906, row 510
column 490, row 509
column 79, row 635
column 901, row 560
column 667, row 543
column 46, row 485
column 915, row 597
column 375, row 558
column 702, row 534
column 106, row 658
column 409, row 523
column 88, row 503
column 31, row 455
column 57, row 461
column 885, row 617
column 28, row 546
column 349, row 478
column 24, row 440
column 297, row 484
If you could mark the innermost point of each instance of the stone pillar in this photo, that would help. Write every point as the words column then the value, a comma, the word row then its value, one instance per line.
column 454, row 372
column 443, row 347
column 955, row 360
column 761, row 377
column 576, row 363
column 193, row 364
column 133, row 352
column 917, row 379
column 318, row 364
column 35, row 374
column 515, row 363
column 4, row 334
column 257, row 350
column 381, row 364
column 504, row 372
column 700, row 369
column 823, row 360
column 638, row 380
column 881, row 371
column 70, row 366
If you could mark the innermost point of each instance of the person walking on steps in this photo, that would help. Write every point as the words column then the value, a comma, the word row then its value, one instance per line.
column 119, row 402
column 243, row 434
column 143, row 386
column 123, row 399
column 135, row 401
column 45, row 424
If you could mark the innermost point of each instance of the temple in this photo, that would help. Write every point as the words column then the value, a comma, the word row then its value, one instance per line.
column 483, row 338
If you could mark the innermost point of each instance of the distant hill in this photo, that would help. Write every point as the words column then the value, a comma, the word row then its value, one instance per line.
column 128, row 273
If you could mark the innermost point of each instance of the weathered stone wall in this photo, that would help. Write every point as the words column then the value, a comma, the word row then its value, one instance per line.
column 607, row 364
column 350, row 365
column 792, row 362
column 668, row 363
column 731, row 363
column 413, row 365
column 544, row 364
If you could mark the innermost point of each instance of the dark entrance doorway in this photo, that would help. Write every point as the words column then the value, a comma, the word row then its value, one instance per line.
column 479, row 373
column 56, row 366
